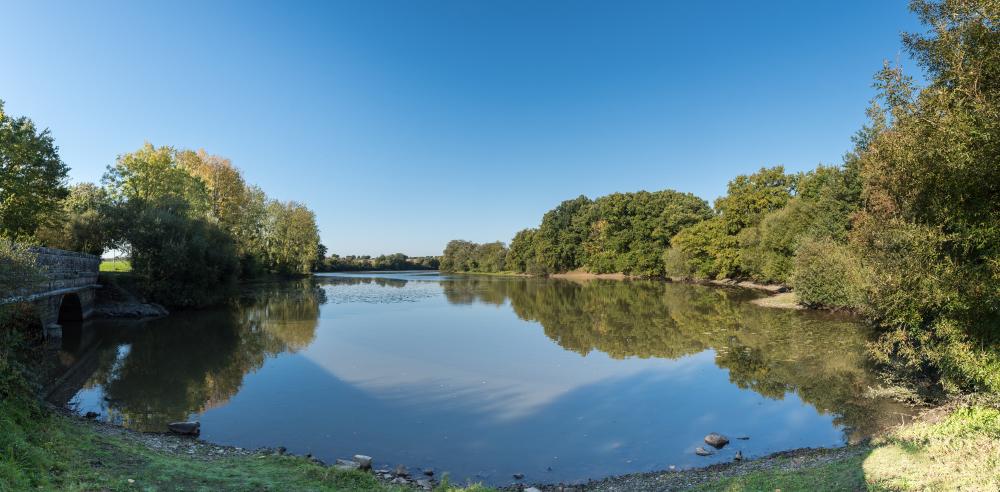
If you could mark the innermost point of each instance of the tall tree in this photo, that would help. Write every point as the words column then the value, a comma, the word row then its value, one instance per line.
column 32, row 176
column 930, row 226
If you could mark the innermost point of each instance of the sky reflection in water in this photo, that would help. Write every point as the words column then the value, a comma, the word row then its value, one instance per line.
column 485, row 376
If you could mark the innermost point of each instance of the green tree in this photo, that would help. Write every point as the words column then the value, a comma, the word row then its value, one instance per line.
column 291, row 238
column 559, row 240
column 153, row 174
column 521, row 255
column 179, row 260
column 750, row 197
column 458, row 256
column 32, row 177
column 630, row 231
column 930, row 225
column 84, row 223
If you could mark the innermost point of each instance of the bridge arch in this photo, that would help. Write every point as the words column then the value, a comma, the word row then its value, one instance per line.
column 70, row 309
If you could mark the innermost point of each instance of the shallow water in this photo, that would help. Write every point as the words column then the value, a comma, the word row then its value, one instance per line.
column 484, row 377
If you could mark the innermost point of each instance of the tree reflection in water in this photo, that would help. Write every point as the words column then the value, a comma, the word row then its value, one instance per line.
column 818, row 356
column 168, row 369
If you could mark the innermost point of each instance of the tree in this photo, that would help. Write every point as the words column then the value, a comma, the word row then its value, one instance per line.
column 238, row 208
column 32, row 177
column 521, row 255
column 291, row 238
column 630, row 231
column 152, row 175
column 179, row 260
column 458, row 256
column 750, row 197
column 559, row 240
column 84, row 224
column 931, row 177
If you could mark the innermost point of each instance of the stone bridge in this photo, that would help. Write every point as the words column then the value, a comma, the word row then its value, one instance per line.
column 66, row 293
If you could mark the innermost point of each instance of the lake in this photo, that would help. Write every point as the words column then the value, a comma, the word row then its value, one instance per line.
column 484, row 377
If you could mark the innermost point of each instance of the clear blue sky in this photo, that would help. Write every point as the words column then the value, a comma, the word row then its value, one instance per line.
column 406, row 124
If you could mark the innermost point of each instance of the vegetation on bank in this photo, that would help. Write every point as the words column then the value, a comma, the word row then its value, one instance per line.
column 905, row 231
column 189, row 222
column 959, row 452
column 396, row 261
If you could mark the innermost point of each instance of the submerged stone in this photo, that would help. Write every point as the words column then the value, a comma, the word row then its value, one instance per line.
column 700, row 451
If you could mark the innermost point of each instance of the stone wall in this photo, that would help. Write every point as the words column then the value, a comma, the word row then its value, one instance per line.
column 67, row 273
column 66, row 269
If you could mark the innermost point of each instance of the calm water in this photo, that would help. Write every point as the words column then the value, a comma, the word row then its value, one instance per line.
column 484, row 377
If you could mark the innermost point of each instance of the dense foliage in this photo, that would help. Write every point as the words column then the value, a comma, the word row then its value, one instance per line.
column 621, row 232
column 188, row 220
column 32, row 176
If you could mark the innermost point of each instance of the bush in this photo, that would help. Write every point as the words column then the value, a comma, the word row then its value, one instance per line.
column 828, row 274
column 179, row 260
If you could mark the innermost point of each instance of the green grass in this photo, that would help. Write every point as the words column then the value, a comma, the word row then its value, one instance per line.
column 116, row 266
column 960, row 452
column 40, row 450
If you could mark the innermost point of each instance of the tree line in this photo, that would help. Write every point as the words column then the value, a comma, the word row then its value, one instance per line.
column 395, row 261
column 905, row 231
column 188, row 220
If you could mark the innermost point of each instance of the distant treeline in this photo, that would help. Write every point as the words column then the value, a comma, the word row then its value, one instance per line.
column 906, row 231
column 397, row 261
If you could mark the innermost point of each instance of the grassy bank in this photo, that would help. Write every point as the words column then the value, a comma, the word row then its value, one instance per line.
column 116, row 266
column 45, row 450
column 957, row 449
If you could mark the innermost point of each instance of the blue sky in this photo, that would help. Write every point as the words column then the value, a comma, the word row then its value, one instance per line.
column 406, row 124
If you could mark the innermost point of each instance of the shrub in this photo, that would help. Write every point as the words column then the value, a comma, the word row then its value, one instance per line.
column 181, row 261
column 828, row 274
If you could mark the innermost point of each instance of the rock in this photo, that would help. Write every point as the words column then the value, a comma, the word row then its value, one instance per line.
column 401, row 471
column 429, row 472
column 90, row 415
column 743, row 438
column 185, row 428
column 717, row 441
column 400, row 481
column 363, row 461
column 280, row 450
column 518, row 476
column 424, row 484
column 739, row 456
column 700, row 451
column 532, row 489
column 346, row 465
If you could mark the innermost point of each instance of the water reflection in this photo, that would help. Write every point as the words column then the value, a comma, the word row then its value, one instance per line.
column 818, row 356
column 151, row 373
column 461, row 373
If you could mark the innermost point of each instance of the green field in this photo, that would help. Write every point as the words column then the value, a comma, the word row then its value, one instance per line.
column 116, row 266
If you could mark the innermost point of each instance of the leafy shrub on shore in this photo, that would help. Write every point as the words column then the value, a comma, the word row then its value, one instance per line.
column 826, row 274
column 179, row 260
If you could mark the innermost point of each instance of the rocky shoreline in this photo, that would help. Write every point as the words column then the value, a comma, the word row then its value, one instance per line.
column 672, row 479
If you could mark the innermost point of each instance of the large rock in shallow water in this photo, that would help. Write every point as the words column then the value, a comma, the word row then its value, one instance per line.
column 185, row 428
column 717, row 441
